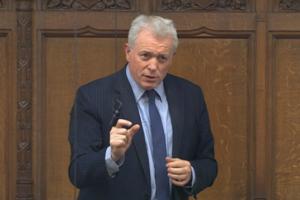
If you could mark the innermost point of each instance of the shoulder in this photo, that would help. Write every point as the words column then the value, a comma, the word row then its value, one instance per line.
column 185, row 91
column 104, row 83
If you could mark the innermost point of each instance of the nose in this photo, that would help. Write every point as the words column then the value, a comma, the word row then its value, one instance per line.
column 153, row 64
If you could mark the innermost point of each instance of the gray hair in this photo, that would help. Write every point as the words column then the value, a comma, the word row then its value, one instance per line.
column 160, row 27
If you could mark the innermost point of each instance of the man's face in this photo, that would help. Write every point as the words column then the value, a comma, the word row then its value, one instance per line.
column 149, row 59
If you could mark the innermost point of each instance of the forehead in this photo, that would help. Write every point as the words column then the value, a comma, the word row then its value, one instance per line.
column 146, row 40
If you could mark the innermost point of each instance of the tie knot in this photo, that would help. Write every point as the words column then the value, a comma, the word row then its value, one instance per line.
column 151, row 95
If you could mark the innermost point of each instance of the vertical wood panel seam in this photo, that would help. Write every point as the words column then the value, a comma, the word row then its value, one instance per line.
column 260, row 101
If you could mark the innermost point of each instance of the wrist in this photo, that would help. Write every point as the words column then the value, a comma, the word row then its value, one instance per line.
column 115, row 157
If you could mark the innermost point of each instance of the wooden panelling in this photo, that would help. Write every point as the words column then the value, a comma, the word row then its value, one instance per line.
column 284, row 21
column 261, row 170
column 243, row 53
column 287, row 5
column 286, row 119
column 207, row 5
column 3, row 4
column 211, row 20
column 4, row 113
column 67, row 63
column 94, row 5
column 7, row 119
column 220, row 67
column 24, row 183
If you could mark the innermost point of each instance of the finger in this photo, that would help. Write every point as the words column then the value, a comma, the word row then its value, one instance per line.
column 119, row 137
column 119, row 140
column 174, row 161
column 169, row 159
column 118, row 131
column 123, row 123
column 133, row 130
column 177, row 177
column 118, row 144
column 179, row 174
column 179, row 183
column 179, row 180
column 178, row 164
column 177, row 170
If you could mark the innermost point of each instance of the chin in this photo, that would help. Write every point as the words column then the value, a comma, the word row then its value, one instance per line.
column 149, row 87
column 149, row 84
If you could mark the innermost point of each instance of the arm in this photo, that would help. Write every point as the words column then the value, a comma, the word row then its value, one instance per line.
column 86, row 137
column 90, row 163
column 205, row 164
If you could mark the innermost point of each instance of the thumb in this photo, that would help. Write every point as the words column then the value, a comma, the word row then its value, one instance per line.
column 133, row 130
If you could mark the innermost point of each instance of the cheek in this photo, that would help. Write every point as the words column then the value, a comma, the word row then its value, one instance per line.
column 136, row 61
column 137, row 69
column 164, row 70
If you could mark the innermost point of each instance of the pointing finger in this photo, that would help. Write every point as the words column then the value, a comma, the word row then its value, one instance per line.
column 123, row 123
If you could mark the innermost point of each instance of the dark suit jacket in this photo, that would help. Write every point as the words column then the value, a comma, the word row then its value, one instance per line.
column 89, row 138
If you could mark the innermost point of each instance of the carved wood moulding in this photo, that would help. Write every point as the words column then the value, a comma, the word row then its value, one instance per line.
column 205, row 32
column 292, row 5
column 86, row 31
column 203, row 5
column 97, row 5
column 24, row 101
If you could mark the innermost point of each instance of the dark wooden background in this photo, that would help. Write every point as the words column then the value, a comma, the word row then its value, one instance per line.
column 245, row 54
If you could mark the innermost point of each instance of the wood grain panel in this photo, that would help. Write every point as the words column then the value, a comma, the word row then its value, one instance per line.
column 8, row 103
column 220, row 67
column 68, row 63
column 7, row 119
column 4, row 119
column 284, row 21
column 286, row 142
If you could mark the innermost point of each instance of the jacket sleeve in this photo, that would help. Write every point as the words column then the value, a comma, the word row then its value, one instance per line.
column 205, row 165
column 87, row 166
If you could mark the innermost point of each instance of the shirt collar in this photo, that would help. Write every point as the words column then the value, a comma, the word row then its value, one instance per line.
column 138, row 91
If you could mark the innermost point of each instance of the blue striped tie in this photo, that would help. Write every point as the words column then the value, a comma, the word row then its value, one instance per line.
column 159, row 149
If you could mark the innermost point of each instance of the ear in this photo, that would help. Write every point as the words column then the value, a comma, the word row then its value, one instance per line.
column 127, row 51
column 171, row 60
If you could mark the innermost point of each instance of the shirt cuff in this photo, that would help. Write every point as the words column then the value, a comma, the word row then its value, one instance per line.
column 112, row 167
column 191, row 183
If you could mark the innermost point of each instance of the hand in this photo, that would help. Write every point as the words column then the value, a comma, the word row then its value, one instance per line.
column 121, row 137
column 179, row 171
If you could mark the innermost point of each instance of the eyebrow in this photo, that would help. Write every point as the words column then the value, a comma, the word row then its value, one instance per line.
column 150, row 52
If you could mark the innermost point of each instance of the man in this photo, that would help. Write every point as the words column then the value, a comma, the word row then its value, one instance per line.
column 142, row 133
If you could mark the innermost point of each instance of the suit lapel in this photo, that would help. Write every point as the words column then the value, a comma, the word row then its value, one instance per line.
column 175, row 99
column 130, row 112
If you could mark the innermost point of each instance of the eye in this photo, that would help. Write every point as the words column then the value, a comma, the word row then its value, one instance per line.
column 145, row 56
column 162, row 58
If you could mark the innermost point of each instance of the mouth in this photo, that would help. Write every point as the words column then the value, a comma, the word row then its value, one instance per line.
column 150, row 77
column 150, row 81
